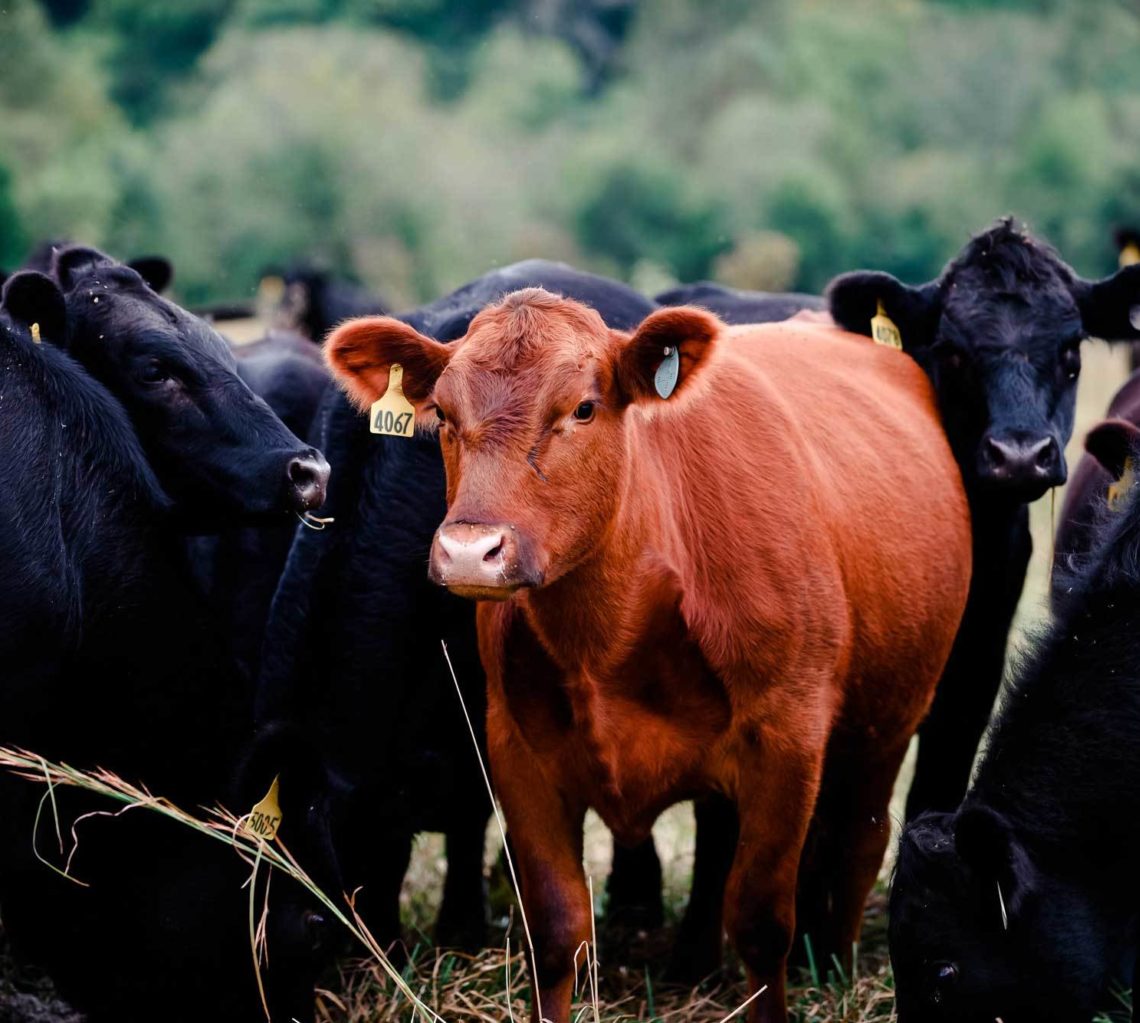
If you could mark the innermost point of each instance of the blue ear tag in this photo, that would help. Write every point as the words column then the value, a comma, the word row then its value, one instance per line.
column 665, row 379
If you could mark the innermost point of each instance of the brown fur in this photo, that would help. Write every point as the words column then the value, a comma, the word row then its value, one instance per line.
column 764, row 572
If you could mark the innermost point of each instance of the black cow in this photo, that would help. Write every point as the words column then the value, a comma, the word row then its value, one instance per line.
column 1087, row 497
column 313, row 301
column 239, row 567
column 352, row 667
column 999, row 334
column 112, row 659
column 205, row 432
column 1023, row 903
column 735, row 306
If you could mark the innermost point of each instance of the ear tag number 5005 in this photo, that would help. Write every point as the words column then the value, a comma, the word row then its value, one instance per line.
column 392, row 413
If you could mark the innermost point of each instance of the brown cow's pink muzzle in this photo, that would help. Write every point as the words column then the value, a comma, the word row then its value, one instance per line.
column 477, row 561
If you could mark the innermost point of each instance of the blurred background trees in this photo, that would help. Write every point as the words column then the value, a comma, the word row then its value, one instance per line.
column 416, row 143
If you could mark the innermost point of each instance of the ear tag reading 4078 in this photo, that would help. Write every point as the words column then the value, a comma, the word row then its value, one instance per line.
column 393, row 414
column 883, row 329
column 665, row 379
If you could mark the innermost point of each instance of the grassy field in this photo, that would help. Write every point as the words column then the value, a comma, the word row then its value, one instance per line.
column 462, row 988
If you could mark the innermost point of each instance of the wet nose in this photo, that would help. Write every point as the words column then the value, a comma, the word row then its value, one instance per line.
column 308, row 478
column 469, row 557
column 1018, row 460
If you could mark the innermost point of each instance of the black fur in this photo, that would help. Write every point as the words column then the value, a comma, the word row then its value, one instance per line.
column 112, row 659
column 313, row 301
column 238, row 568
column 217, row 448
column 1053, row 818
column 998, row 333
column 734, row 306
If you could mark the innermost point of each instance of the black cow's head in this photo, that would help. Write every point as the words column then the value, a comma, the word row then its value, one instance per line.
column 999, row 334
column 977, row 932
column 217, row 448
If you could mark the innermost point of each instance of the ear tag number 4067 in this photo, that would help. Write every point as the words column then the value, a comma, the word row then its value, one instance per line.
column 392, row 413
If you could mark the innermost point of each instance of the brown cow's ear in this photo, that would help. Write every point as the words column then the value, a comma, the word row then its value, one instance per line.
column 665, row 353
column 1113, row 443
column 361, row 352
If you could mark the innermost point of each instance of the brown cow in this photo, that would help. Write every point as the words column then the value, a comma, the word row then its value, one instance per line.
column 706, row 592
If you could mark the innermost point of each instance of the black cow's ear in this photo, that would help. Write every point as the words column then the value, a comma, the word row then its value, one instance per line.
column 73, row 262
column 155, row 270
column 854, row 299
column 986, row 842
column 34, row 300
column 1110, row 307
column 1113, row 443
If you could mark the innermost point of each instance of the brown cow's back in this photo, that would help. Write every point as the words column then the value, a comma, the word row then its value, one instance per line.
column 811, row 502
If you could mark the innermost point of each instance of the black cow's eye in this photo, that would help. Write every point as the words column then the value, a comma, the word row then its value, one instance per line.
column 1071, row 361
column 153, row 373
column 584, row 412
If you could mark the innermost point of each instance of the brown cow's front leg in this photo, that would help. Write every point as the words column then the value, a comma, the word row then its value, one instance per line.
column 775, row 797
column 546, row 840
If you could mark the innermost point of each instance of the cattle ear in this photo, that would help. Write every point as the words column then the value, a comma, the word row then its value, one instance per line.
column 1112, row 443
column 854, row 299
column 31, row 298
column 1110, row 307
column 72, row 263
column 985, row 841
column 665, row 353
column 155, row 270
column 361, row 352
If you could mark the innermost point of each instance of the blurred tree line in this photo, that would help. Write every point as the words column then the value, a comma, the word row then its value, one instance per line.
column 415, row 143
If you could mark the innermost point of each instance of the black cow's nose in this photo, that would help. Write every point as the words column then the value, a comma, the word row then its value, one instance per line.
column 308, row 478
column 1015, row 460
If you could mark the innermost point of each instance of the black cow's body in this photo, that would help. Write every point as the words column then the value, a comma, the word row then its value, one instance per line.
column 313, row 301
column 1023, row 904
column 738, row 307
column 1086, row 497
column 999, row 334
column 352, row 656
column 112, row 659
column 238, row 568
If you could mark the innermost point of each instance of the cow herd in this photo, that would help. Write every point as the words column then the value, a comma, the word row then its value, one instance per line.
column 713, row 545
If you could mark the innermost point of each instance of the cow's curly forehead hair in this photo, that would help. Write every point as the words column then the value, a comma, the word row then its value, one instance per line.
column 529, row 323
column 1006, row 258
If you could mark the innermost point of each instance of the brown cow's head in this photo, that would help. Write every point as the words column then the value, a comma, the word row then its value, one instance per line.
column 531, row 409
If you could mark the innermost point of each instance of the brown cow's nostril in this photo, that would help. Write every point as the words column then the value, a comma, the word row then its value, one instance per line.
column 494, row 552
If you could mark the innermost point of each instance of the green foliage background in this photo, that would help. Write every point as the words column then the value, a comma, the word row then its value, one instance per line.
column 416, row 143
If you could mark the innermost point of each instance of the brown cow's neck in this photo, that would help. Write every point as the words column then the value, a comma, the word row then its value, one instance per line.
column 600, row 610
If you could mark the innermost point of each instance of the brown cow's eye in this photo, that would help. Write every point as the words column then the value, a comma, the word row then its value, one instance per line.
column 584, row 412
column 439, row 414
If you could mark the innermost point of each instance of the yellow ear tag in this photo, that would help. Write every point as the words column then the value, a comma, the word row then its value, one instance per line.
column 1118, row 491
column 265, row 818
column 883, row 329
column 393, row 414
column 1130, row 254
column 36, row 333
